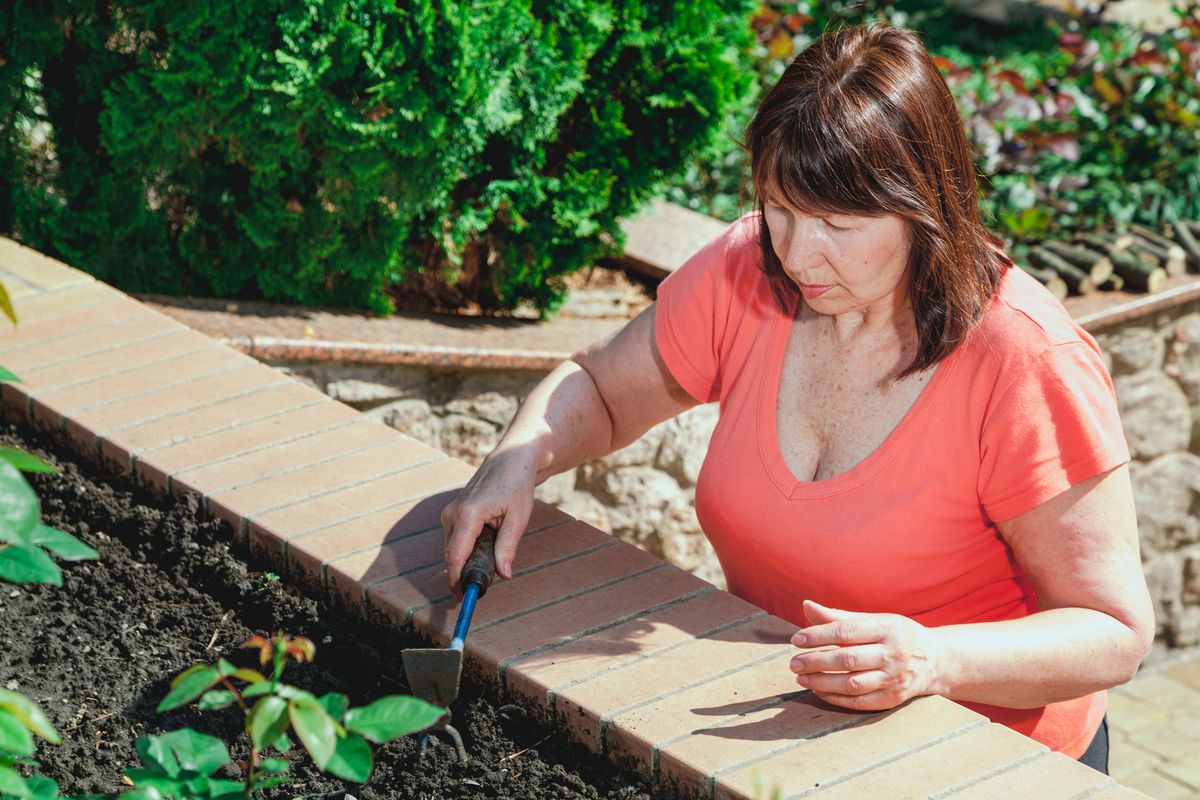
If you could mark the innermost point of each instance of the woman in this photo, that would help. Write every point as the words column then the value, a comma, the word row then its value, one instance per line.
column 918, row 460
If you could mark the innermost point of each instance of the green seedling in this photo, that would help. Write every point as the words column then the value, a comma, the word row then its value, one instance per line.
column 338, row 738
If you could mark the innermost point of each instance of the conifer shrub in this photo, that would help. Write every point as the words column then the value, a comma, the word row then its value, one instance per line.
column 327, row 152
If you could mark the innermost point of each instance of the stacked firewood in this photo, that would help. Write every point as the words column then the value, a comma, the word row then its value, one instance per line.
column 1137, row 259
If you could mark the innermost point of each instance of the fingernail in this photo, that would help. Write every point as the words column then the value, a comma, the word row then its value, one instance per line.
column 802, row 680
column 799, row 639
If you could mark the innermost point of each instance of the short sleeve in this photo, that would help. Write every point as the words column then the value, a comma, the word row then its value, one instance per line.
column 691, row 316
column 1054, row 426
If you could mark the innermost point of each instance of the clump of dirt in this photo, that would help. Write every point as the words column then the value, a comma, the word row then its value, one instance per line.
column 169, row 591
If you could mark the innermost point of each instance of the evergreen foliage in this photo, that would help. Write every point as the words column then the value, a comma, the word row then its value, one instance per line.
column 321, row 152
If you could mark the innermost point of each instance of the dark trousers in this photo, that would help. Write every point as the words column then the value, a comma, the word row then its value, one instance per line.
column 1096, row 756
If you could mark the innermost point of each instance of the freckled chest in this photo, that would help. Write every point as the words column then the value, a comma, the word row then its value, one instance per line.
column 835, row 408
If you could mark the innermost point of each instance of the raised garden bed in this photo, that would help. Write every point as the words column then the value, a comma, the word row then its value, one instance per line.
column 169, row 591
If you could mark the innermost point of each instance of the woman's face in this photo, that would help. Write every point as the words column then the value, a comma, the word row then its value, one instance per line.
column 842, row 262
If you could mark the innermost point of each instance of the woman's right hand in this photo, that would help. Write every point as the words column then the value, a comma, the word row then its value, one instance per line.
column 500, row 493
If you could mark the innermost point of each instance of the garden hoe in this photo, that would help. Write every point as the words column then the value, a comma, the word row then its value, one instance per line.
column 433, row 673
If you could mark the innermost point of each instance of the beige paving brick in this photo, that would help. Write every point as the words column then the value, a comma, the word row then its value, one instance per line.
column 1119, row 792
column 245, row 469
column 1163, row 742
column 494, row 644
column 17, row 289
column 163, row 373
column 370, row 453
column 590, row 703
column 1156, row 785
column 121, row 446
column 159, row 350
column 1126, row 758
column 1185, row 769
column 155, row 466
column 551, row 583
column 63, row 301
column 29, row 359
column 270, row 531
column 36, row 268
column 1052, row 776
column 84, row 319
column 977, row 753
column 1168, row 692
column 536, row 675
column 142, row 408
column 1128, row 714
column 1187, row 672
column 355, row 549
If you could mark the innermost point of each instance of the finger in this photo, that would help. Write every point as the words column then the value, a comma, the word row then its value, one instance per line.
column 510, row 532
column 849, row 684
column 854, row 658
column 817, row 614
column 459, row 545
column 873, row 701
column 866, row 629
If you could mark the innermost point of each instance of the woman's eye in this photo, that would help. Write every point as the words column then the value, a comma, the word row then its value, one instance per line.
column 836, row 227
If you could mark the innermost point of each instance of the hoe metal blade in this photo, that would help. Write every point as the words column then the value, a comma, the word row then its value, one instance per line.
column 433, row 674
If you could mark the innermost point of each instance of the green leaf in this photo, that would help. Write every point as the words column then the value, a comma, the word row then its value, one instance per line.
column 282, row 744
column 12, row 783
column 6, row 376
column 216, row 699
column 335, row 704
column 391, row 717
column 14, row 736
column 352, row 759
column 294, row 693
column 62, row 544
column 224, row 668
column 42, row 788
column 30, row 715
column 267, row 783
column 143, row 793
column 267, row 721
column 24, row 461
column 25, row 564
column 6, row 304
column 315, row 729
column 191, row 684
column 187, row 750
column 258, row 689
column 19, row 509
column 248, row 675
column 276, row 766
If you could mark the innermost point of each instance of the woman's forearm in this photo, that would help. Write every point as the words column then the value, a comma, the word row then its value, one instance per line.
column 1053, row 655
column 564, row 419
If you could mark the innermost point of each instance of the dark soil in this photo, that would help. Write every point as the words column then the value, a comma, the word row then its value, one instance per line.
column 170, row 591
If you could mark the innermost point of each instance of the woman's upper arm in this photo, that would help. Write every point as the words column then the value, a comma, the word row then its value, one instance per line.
column 1080, row 550
column 634, row 382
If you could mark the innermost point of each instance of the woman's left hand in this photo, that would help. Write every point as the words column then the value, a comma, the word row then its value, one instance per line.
column 877, row 661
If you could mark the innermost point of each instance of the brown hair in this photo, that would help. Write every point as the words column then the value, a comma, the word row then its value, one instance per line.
column 862, row 122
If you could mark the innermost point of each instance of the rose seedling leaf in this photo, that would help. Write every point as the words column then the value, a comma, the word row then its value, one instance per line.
column 62, row 544
column 12, row 783
column 282, row 744
column 257, row 689
column 19, row 509
column 21, row 563
column 276, row 766
column 267, row 783
column 295, row 694
column 224, row 668
column 192, row 750
column 352, row 759
column 216, row 699
column 5, row 375
column 143, row 793
column 315, row 729
column 14, row 736
column 42, row 788
column 248, row 675
column 335, row 704
column 391, row 717
column 24, row 460
column 267, row 721
column 188, row 686
column 30, row 715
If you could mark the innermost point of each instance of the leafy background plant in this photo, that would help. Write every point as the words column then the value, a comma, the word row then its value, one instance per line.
column 1076, row 124
column 346, row 151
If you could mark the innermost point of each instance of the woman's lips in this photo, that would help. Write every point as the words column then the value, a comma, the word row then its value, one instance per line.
column 815, row 289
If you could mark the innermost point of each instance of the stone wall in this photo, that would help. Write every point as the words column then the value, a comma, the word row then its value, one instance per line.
column 644, row 493
column 1155, row 362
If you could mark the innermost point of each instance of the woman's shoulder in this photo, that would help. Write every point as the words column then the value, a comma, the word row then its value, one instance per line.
column 1023, row 321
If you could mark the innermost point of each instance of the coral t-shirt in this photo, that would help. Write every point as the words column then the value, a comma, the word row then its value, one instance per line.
column 1019, row 412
